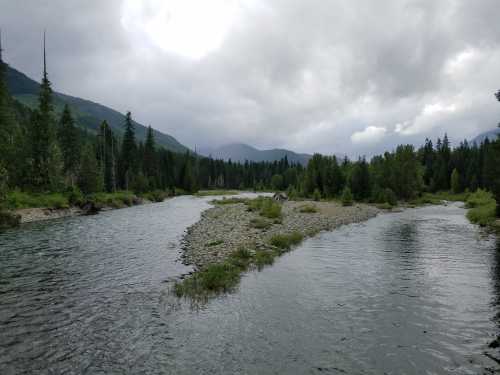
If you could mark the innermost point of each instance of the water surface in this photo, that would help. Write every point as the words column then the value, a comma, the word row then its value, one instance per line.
column 415, row 292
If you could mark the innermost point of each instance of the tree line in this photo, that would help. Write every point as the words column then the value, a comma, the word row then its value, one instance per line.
column 43, row 152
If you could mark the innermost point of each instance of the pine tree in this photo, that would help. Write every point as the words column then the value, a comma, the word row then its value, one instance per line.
column 42, row 130
column 90, row 179
column 107, row 156
column 150, row 165
column 69, row 144
column 128, row 158
column 455, row 181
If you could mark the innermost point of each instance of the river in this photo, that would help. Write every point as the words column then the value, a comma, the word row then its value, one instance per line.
column 415, row 292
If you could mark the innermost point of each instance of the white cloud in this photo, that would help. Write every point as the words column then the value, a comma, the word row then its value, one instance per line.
column 371, row 134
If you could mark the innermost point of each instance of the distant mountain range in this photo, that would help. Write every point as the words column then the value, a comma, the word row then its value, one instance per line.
column 491, row 135
column 241, row 152
column 88, row 115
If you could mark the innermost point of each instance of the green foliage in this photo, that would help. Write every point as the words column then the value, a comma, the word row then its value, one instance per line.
column 263, row 258
column 346, row 198
column 4, row 177
column 277, row 182
column 90, row 179
column 286, row 241
column 18, row 199
column 117, row 200
column 386, row 196
column 270, row 209
column 156, row 195
column 75, row 196
column 482, row 208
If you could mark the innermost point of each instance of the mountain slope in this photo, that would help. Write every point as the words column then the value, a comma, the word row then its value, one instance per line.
column 241, row 152
column 88, row 115
column 491, row 135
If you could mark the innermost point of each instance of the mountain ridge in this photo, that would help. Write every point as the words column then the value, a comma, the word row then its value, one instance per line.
column 240, row 152
column 88, row 114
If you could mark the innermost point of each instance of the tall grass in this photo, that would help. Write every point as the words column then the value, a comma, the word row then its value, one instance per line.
column 19, row 199
column 482, row 207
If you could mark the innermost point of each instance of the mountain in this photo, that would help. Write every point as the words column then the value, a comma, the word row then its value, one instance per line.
column 241, row 152
column 88, row 115
column 491, row 134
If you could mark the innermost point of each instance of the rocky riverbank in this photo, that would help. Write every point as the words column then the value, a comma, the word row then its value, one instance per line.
column 226, row 228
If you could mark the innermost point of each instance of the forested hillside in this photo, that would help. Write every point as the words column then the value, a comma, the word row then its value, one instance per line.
column 87, row 114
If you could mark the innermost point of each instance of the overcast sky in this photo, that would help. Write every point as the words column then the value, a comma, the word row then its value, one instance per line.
column 354, row 77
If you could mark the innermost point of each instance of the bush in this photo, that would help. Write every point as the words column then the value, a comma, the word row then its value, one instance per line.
column 263, row 258
column 271, row 209
column 75, row 196
column 156, row 195
column 482, row 207
column 386, row 196
column 346, row 197
column 286, row 241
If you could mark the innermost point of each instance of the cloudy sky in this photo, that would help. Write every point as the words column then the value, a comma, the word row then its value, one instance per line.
column 355, row 77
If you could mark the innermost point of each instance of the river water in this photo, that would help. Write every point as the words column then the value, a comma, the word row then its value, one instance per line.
column 415, row 292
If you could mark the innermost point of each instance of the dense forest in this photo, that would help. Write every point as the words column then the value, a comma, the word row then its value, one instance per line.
column 40, row 153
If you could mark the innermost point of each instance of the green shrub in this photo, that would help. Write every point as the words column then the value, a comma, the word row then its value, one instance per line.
column 386, row 196
column 346, row 198
column 263, row 258
column 271, row 209
column 156, row 195
column 241, row 258
column 75, row 196
column 286, row 241
column 308, row 209
column 482, row 207
column 213, row 278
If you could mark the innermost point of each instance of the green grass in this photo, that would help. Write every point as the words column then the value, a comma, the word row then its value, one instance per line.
column 116, row 200
column 214, row 243
column 308, row 209
column 18, row 199
column 260, row 223
column 264, row 258
column 209, row 193
column 214, row 278
column 482, row 208
column 286, row 241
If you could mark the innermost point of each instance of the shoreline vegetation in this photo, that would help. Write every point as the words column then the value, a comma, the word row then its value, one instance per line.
column 22, row 207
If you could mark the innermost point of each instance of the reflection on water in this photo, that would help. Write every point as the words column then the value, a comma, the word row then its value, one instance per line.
column 415, row 292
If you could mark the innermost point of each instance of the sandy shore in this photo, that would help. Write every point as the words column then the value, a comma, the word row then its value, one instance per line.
column 226, row 228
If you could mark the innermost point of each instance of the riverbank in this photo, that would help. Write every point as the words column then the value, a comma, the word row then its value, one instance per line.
column 237, row 233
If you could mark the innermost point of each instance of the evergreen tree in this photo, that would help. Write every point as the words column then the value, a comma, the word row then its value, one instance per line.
column 455, row 181
column 90, row 179
column 150, row 166
column 128, row 157
column 42, row 130
column 69, row 144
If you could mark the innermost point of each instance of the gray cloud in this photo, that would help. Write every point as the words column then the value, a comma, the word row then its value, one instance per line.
column 308, row 75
